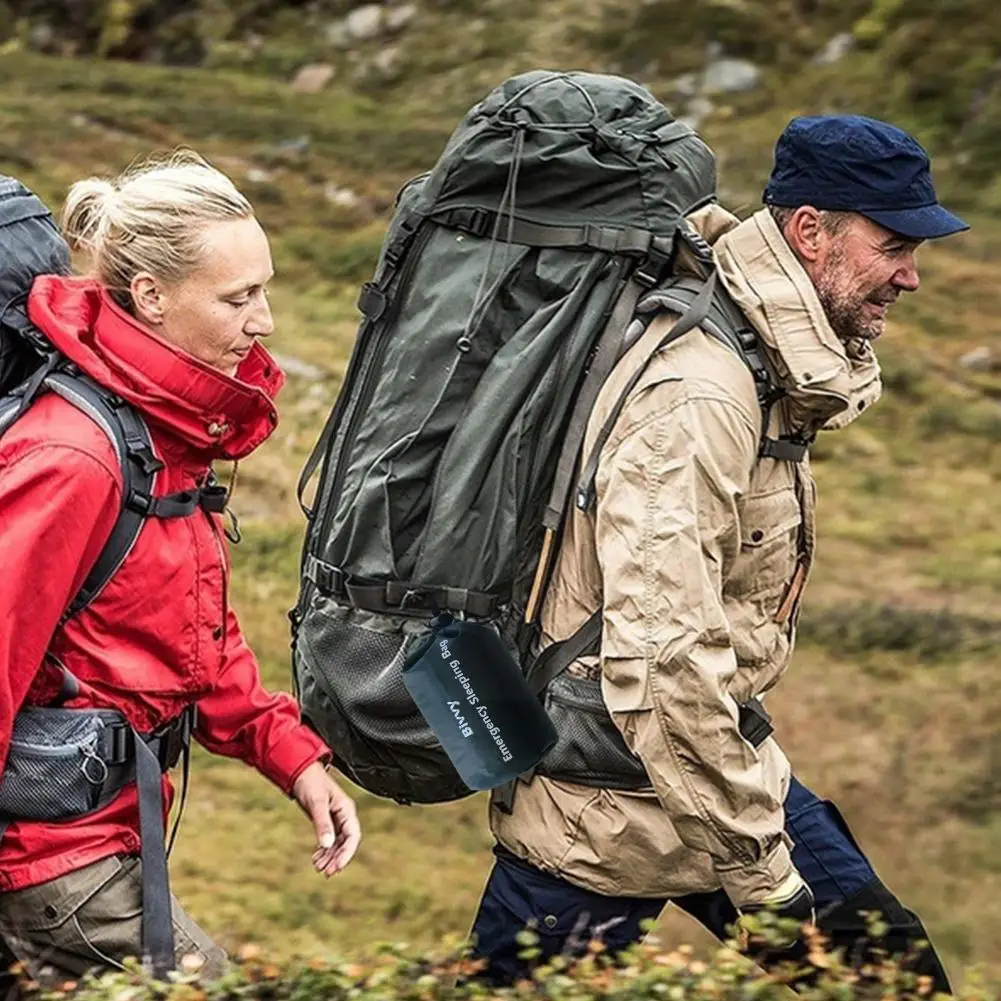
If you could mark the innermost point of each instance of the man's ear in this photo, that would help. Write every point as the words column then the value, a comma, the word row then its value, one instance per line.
column 147, row 299
column 805, row 233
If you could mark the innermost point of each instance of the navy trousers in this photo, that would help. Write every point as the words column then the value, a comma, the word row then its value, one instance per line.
column 566, row 917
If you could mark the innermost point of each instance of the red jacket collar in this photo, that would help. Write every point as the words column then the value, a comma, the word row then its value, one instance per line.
column 220, row 416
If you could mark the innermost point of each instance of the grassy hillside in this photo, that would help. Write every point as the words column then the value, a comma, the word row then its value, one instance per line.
column 892, row 707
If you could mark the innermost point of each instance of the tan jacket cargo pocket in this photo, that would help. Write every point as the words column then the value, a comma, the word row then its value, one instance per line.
column 769, row 548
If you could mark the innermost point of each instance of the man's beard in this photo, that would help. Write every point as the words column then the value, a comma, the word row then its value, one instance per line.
column 845, row 308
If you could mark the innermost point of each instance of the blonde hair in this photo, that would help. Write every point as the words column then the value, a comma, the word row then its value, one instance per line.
column 150, row 218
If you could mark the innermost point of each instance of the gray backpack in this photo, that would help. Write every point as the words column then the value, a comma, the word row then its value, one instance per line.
column 502, row 299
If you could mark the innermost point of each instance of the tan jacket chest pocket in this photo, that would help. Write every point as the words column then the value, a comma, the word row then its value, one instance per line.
column 768, row 560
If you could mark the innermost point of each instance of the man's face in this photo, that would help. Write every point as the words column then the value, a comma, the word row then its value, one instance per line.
column 859, row 272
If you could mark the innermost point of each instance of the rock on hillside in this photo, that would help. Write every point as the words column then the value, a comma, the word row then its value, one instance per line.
column 705, row 57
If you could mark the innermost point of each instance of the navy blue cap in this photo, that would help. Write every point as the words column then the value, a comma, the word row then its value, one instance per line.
column 850, row 163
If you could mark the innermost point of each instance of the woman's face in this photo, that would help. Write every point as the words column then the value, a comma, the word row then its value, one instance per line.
column 219, row 311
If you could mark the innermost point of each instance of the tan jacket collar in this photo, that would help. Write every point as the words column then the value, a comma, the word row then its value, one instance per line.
column 828, row 386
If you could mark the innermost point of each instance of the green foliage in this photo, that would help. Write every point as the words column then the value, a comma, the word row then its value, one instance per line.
column 872, row 28
column 642, row 973
column 672, row 35
column 178, row 32
column 950, row 77
column 927, row 635
column 350, row 258
column 930, row 64
column 978, row 418
column 903, row 374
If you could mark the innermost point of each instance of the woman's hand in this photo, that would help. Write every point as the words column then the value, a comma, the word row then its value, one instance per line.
column 334, row 817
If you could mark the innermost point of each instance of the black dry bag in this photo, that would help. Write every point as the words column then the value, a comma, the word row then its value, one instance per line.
column 474, row 697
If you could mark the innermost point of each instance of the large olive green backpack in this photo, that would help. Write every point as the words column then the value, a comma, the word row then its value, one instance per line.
column 501, row 301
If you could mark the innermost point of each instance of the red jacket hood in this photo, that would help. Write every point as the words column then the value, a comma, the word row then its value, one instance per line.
column 219, row 416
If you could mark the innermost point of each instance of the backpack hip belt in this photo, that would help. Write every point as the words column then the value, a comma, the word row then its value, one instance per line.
column 89, row 757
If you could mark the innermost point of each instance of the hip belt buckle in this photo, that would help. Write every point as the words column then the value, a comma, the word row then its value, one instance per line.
column 755, row 723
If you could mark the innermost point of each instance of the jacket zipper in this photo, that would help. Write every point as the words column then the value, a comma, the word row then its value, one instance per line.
column 378, row 349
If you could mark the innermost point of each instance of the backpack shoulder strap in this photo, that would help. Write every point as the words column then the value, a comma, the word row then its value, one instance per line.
column 699, row 303
column 133, row 446
column 692, row 315
column 726, row 322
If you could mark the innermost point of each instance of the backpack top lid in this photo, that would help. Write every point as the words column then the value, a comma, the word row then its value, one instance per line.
column 581, row 145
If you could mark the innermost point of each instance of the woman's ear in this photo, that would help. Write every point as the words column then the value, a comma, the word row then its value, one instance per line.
column 147, row 299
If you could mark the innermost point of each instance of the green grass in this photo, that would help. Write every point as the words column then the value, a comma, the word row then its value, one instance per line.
column 892, row 703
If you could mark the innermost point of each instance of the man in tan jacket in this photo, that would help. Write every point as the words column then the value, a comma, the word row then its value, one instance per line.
column 665, row 786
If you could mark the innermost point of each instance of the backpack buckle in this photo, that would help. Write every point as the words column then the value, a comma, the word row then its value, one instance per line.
column 651, row 270
column 791, row 448
column 170, row 741
column 329, row 579
column 394, row 251
column 479, row 222
column 120, row 748
column 372, row 301
column 140, row 503
column 212, row 498
column 415, row 597
column 754, row 722
column 146, row 460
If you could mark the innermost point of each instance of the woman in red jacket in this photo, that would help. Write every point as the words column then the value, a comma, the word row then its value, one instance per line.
column 171, row 322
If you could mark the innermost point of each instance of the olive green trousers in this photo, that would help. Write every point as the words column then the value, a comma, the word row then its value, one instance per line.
column 91, row 919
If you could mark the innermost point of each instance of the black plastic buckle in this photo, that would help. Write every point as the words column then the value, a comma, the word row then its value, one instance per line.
column 650, row 271
column 394, row 251
column 168, row 750
column 139, row 503
column 120, row 749
column 755, row 722
column 372, row 301
column 170, row 741
column 773, row 394
column 418, row 598
column 330, row 580
column 786, row 448
column 479, row 223
column 146, row 460
column 212, row 498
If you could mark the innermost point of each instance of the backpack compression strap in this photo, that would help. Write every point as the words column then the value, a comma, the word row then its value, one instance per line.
column 709, row 306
